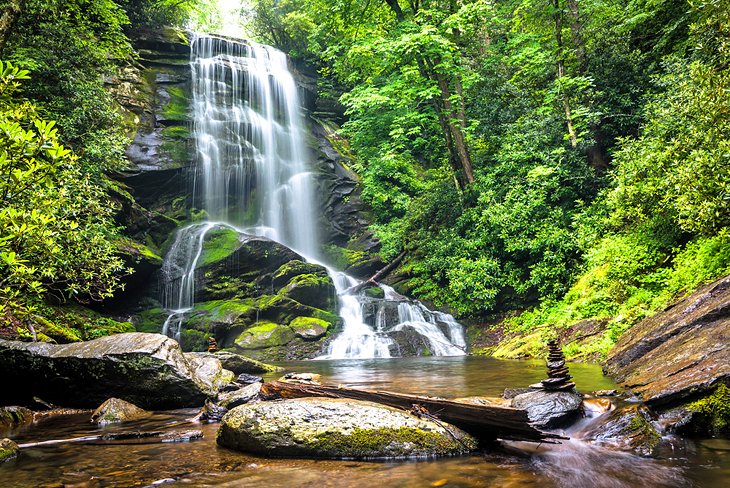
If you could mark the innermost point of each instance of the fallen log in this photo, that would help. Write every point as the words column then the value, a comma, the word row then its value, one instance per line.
column 485, row 422
column 373, row 280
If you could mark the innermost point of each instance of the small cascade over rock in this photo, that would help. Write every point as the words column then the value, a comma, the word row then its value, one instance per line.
column 254, row 177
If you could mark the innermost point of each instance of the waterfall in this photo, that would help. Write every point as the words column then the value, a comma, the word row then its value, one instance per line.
column 254, row 176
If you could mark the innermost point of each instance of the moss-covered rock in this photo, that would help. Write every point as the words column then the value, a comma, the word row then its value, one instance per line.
column 310, row 289
column 292, row 269
column 8, row 450
column 309, row 328
column 713, row 413
column 337, row 428
column 219, row 244
column 265, row 335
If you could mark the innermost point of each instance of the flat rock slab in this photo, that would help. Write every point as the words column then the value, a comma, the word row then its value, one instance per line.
column 679, row 352
column 548, row 409
column 338, row 428
column 149, row 370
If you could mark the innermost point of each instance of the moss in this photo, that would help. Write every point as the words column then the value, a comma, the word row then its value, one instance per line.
column 309, row 327
column 715, row 409
column 178, row 107
column 176, row 132
column 518, row 347
column 219, row 244
column 8, row 450
column 150, row 320
column 641, row 430
column 193, row 340
column 363, row 443
column 374, row 292
column 265, row 335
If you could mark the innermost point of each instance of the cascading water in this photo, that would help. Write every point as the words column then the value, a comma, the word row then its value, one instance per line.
column 254, row 176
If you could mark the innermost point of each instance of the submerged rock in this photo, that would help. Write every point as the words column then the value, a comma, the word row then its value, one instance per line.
column 548, row 409
column 628, row 428
column 149, row 370
column 337, row 428
column 115, row 410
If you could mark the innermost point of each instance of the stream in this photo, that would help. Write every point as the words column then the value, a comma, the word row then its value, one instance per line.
column 687, row 463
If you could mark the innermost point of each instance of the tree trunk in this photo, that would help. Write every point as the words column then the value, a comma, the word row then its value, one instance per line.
column 561, row 73
column 485, row 422
column 379, row 275
column 8, row 19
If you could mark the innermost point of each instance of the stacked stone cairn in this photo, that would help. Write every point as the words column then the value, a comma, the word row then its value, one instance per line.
column 558, row 378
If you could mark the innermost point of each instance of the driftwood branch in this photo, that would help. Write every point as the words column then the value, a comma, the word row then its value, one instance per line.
column 155, row 436
column 485, row 422
column 372, row 281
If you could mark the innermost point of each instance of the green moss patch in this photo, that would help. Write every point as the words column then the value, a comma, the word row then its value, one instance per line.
column 715, row 410
column 265, row 335
column 309, row 328
column 219, row 244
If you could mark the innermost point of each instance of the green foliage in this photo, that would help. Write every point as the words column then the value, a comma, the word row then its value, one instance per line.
column 57, row 228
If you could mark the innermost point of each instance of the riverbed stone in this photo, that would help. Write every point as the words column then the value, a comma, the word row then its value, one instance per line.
column 148, row 370
column 239, row 364
column 679, row 353
column 240, row 396
column 629, row 427
column 8, row 450
column 337, row 428
column 549, row 409
column 116, row 410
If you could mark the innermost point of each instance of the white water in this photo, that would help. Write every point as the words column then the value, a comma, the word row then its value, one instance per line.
column 254, row 176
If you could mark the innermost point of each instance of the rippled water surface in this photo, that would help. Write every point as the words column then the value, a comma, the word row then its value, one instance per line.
column 704, row 463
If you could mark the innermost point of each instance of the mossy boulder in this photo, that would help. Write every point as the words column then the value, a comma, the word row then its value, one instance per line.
column 311, row 289
column 337, row 428
column 294, row 268
column 265, row 335
column 309, row 328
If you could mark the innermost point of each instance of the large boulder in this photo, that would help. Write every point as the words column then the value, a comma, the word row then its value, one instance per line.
column 149, row 370
column 337, row 428
column 679, row 353
column 548, row 409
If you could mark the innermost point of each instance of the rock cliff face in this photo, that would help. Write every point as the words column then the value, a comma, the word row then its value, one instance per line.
column 253, row 295
column 680, row 356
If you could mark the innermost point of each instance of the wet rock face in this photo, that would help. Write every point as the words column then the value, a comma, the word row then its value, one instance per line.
column 149, row 370
column 628, row 428
column 680, row 352
column 255, row 297
column 549, row 409
column 337, row 428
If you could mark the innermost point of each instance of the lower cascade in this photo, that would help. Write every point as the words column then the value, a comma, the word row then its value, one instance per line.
column 254, row 177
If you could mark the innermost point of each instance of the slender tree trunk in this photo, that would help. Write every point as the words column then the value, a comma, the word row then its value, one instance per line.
column 8, row 19
column 576, row 29
column 561, row 73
